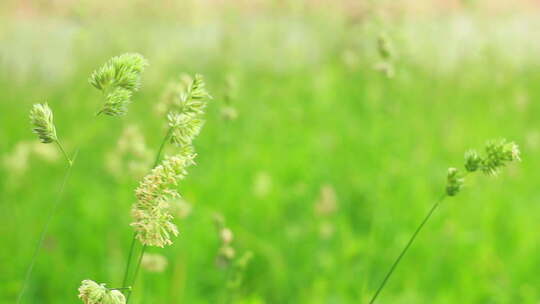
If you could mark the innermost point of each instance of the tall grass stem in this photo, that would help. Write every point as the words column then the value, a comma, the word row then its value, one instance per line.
column 46, row 227
column 133, row 241
column 411, row 240
column 137, row 267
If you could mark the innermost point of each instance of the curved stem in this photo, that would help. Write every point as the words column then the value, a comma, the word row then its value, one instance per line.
column 46, row 228
column 161, row 146
column 396, row 262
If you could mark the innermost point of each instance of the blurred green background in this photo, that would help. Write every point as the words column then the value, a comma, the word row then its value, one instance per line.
column 324, row 173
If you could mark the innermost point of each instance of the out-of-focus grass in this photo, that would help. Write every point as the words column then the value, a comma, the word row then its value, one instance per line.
column 307, row 118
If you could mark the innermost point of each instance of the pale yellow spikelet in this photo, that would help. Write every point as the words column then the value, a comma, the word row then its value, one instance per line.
column 152, row 219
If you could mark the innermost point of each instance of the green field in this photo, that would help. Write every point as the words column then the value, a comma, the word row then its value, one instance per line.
column 313, row 113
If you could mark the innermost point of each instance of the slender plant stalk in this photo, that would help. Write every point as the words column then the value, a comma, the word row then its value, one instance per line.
column 47, row 224
column 413, row 237
column 133, row 240
column 70, row 162
column 130, row 257
column 120, row 288
column 160, row 151
column 137, row 267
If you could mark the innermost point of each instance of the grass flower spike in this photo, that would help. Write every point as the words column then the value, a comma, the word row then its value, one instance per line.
column 498, row 153
column 91, row 292
column 152, row 218
column 473, row 161
column 118, row 79
column 185, row 116
column 184, row 128
column 41, row 117
column 116, row 102
column 152, row 213
column 454, row 182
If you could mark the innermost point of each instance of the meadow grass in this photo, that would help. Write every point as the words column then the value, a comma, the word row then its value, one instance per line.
column 383, row 145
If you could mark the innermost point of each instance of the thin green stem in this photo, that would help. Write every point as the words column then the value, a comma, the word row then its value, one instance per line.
column 130, row 257
column 120, row 288
column 133, row 241
column 51, row 214
column 137, row 267
column 45, row 229
column 161, row 146
column 70, row 162
column 396, row 262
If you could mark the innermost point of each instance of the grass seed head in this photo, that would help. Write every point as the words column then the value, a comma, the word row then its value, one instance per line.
column 91, row 292
column 41, row 117
column 152, row 219
column 473, row 161
column 498, row 154
column 454, row 181
column 184, row 117
column 118, row 79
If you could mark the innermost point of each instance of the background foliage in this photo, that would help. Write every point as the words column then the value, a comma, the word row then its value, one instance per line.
column 312, row 111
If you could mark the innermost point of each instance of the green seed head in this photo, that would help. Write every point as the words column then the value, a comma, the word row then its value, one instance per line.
column 454, row 182
column 118, row 79
column 473, row 161
column 41, row 117
column 498, row 154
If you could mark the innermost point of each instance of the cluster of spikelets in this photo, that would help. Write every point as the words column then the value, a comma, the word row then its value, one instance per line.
column 91, row 292
column 41, row 117
column 151, row 212
column 497, row 154
column 185, row 115
column 152, row 218
column 118, row 79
